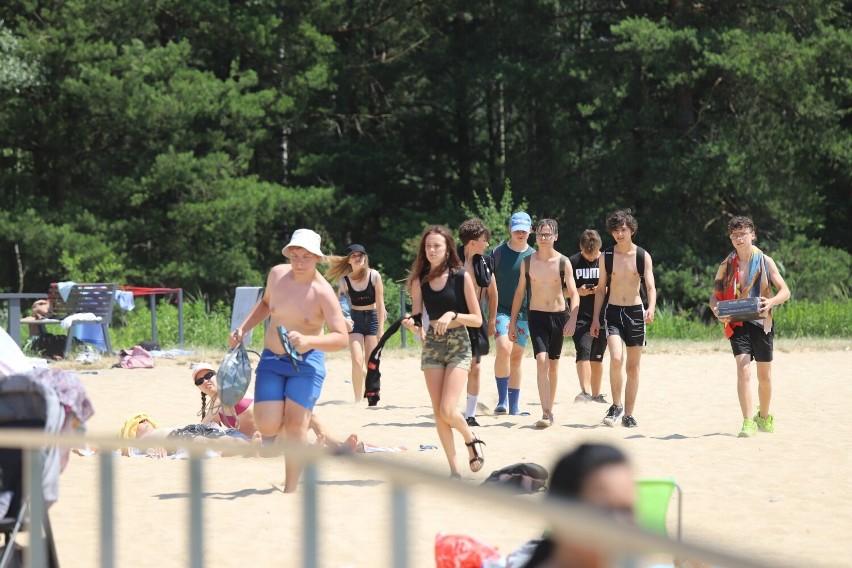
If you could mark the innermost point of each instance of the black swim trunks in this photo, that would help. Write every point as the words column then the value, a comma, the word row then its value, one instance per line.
column 546, row 332
column 627, row 322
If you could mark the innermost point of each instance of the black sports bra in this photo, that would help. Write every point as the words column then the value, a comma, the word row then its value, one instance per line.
column 365, row 297
column 439, row 302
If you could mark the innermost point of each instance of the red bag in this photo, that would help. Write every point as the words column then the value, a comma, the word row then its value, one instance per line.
column 462, row 551
column 136, row 358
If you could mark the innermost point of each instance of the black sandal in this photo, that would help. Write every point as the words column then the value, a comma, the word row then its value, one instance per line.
column 478, row 459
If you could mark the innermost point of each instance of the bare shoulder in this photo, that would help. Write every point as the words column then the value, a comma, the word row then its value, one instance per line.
column 771, row 262
column 322, row 286
column 280, row 270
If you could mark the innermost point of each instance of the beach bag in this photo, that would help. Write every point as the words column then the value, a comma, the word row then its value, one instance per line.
column 479, row 341
column 233, row 380
column 462, row 551
column 136, row 358
column 47, row 345
column 520, row 477
column 483, row 270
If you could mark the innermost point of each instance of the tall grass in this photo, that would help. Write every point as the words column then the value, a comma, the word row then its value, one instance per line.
column 802, row 318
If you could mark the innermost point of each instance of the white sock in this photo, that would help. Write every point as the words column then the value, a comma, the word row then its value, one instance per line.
column 471, row 405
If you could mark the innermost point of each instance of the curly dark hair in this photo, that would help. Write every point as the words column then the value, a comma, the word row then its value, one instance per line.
column 740, row 222
column 472, row 229
column 620, row 218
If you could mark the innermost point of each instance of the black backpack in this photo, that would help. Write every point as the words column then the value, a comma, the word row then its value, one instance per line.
column 640, row 268
column 479, row 343
column 483, row 267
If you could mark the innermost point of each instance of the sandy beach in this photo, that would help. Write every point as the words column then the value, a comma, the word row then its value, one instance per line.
column 780, row 497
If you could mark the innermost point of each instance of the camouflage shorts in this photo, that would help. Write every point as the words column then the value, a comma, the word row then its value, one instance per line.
column 449, row 350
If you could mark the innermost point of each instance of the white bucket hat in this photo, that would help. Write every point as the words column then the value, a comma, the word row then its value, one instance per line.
column 305, row 238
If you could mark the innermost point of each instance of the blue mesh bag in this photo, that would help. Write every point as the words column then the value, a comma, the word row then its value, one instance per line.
column 233, row 379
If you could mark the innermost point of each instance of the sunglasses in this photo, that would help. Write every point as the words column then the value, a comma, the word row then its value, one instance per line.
column 294, row 355
column 205, row 377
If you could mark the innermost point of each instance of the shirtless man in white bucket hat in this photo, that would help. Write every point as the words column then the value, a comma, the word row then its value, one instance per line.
column 289, row 377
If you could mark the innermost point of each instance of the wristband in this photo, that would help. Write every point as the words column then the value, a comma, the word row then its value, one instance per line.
column 455, row 315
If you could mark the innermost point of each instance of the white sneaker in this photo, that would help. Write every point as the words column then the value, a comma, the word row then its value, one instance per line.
column 612, row 415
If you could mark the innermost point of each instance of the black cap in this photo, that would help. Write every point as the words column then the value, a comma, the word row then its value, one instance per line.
column 355, row 248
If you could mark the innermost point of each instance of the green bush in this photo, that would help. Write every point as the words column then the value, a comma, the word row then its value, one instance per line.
column 812, row 271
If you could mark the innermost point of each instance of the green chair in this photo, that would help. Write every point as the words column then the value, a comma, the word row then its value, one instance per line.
column 652, row 504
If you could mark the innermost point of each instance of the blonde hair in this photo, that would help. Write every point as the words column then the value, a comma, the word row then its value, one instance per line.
column 131, row 425
column 338, row 267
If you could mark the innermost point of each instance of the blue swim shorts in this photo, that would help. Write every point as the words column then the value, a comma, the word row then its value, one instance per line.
column 277, row 380
column 503, row 329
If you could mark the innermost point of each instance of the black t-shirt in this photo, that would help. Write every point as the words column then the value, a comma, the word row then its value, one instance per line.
column 585, row 272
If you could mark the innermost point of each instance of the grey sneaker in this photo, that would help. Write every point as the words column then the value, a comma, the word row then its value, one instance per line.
column 600, row 398
column 612, row 415
column 628, row 421
column 545, row 422
column 583, row 397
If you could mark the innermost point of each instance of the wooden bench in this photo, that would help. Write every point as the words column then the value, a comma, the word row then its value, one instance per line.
column 96, row 299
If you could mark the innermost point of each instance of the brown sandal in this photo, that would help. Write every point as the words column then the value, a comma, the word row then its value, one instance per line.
column 478, row 459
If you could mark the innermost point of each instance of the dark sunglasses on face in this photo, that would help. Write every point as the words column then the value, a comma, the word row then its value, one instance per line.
column 205, row 377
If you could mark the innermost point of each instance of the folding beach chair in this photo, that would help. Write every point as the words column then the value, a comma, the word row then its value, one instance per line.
column 28, row 402
column 652, row 504
column 245, row 299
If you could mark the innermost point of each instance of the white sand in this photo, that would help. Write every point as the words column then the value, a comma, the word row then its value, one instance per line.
column 783, row 497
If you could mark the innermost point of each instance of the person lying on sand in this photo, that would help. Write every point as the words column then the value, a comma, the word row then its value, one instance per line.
column 142, row 427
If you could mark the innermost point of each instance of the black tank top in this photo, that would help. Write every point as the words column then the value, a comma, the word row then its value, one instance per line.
column 365, row 297
column 437, row 303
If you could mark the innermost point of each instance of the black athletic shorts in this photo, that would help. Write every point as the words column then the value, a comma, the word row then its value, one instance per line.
column 546, row 332
column 749, row 339
column 627, row 322
column 588, row 347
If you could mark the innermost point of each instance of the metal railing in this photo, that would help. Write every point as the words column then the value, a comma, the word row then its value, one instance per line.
column 626, row 542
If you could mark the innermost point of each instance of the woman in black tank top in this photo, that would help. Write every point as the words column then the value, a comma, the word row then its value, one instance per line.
column 362, row 294
column 447, row 294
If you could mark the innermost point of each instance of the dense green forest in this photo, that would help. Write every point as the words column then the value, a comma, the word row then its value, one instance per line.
column 179, row 143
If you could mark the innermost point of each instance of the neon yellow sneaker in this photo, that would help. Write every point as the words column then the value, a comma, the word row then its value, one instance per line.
column 765, row 424
column 749, row 428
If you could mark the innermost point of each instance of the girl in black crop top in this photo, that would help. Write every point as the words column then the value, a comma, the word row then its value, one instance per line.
column 447, row 295
column 362, row 287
